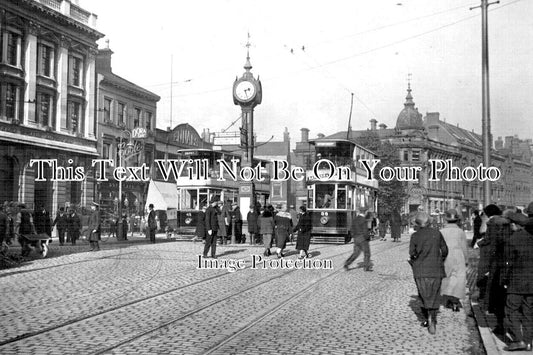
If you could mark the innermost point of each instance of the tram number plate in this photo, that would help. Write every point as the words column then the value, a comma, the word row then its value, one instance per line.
column 246, row 189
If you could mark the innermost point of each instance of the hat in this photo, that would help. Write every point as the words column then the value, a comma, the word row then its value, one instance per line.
column 151, row 205
column 517, row 218
column 422, row 219
column 94, row 204
column 213, row 199
column 452, row 215
column 234, row 204
column 529, row 208
column 492, row 210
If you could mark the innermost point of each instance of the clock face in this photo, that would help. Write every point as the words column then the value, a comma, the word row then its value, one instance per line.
column 245, row 91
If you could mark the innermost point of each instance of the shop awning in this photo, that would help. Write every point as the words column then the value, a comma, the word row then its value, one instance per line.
column 164, row 195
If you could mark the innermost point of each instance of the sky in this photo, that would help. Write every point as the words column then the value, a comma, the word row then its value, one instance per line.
column 312, row 55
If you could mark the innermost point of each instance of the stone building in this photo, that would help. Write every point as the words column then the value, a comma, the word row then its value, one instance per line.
column 127, row 119
column 47, row 106
column 421, row 139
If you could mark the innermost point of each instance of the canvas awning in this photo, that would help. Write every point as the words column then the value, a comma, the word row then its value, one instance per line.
column 164, row 195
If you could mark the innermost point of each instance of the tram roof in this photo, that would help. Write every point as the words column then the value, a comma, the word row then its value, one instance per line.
column 335, row 140
column 207, row 150
column 228, row 152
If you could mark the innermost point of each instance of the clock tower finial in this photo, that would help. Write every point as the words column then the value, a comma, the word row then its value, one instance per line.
column 248, row 65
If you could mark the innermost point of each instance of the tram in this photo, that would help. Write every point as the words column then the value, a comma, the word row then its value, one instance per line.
column 197, row 192
column 337, row 188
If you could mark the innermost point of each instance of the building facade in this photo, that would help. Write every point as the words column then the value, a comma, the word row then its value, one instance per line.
column 419, row 140
column 126, row 134
column 47, row 106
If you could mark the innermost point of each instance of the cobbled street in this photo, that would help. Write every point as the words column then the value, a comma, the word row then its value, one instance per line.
column 140, row 298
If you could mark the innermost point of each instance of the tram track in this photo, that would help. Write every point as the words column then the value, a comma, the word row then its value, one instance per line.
column 18, row 272
column 272, row 310
column 118, row 307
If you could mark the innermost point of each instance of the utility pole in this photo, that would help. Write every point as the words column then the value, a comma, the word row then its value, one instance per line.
column 487, row 139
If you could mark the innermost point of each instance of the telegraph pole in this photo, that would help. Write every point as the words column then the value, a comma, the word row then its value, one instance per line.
column 487, row 138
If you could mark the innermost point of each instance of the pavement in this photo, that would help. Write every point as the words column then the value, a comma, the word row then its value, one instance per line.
column 133, row 297
column 494, row 343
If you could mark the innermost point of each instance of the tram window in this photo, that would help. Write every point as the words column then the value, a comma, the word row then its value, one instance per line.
column 203, row 197
column 325, row 196
column 189, row 199
column 310, row 200
column 341, row 198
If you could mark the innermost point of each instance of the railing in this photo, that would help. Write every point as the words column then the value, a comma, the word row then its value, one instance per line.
column 79, row 14
column 54, row 4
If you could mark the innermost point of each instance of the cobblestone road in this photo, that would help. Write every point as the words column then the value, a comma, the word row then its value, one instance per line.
column 140, row 298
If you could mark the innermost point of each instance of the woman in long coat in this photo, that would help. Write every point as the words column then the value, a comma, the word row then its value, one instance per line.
column 396, row 226
column 222, row 223
column 253, row 229
column 304, row 233
column 200, row 225
column 453, row 286
column 283, row 222
column 427, row 251
column 266, row 226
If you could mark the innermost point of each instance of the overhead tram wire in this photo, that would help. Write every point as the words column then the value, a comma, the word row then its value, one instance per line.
column 232, row 123
column 284, row 75
column 226, row 69
column 390, row 25
column 349, row 90
column 414, row 36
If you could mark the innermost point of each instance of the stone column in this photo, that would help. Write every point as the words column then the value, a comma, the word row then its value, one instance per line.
column 30, row 76
column 62, row 83
column 90, row 98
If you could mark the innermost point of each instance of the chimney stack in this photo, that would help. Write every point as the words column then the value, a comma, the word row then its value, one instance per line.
column 373, row 123
column 305, row 135
column 103, row 60
column 286, row 137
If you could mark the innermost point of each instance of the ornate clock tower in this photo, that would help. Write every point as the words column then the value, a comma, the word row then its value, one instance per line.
column 247, row 93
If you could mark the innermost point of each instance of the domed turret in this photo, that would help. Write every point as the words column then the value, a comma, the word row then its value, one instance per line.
column 409, row 118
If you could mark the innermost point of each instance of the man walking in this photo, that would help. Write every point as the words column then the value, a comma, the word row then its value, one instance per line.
column 152, row 223
column 361, row 237
column 211, row 225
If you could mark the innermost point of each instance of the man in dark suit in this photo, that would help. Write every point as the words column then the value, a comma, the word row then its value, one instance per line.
column 477, row 227
column 94, row 227
column 361, row 238
column 519, row 301
column 211, row 226
column 42, row 221
column 152, row 223
column 61, row 224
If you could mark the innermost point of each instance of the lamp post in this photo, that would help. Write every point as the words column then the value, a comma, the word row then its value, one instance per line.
column 125, row 149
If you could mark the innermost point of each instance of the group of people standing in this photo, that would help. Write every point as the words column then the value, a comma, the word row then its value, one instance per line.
column 279, row 226
column 505, row 269
column 266, row 224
